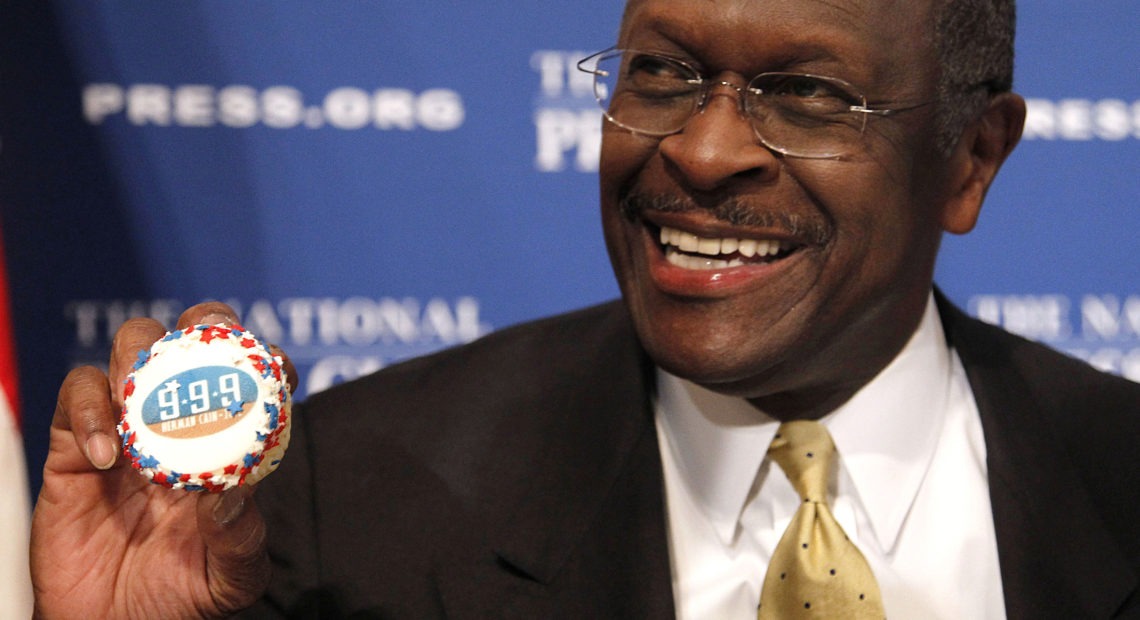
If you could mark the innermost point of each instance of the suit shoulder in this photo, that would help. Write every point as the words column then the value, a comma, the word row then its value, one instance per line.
column 539, row 350
column 991, row 350
column 1057, row 377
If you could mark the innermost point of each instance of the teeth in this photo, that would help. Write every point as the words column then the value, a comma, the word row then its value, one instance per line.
column 688, row 242
column 708, row 247
column 748, row 247
column 688, row 261
column 678, row 241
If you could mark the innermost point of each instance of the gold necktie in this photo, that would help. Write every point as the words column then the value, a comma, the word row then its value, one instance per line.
column 816, row 571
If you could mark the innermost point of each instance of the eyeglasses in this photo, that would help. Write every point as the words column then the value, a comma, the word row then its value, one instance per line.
column 797, row 114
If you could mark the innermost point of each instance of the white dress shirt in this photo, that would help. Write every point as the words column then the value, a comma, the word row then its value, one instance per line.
column 911, row 490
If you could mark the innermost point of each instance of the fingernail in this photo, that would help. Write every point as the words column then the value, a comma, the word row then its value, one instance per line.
column 101, row 450
column 216, row 318
column 230, row 506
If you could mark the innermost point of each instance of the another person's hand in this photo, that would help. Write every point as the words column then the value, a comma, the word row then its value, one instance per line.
column 108, row 544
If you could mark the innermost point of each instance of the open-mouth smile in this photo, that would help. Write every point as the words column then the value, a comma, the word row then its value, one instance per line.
column 688, row 251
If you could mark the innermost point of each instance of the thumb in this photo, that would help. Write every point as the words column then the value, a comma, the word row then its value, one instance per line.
column 237, row 564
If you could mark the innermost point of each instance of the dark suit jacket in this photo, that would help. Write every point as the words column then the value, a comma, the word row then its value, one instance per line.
column 519, row 477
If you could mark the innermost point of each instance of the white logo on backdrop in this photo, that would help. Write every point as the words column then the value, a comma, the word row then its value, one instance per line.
column 278, row 107
column 329, row 339
column 1082, row 119
column 567, row 120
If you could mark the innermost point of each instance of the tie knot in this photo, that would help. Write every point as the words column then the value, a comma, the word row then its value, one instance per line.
column 804, row 450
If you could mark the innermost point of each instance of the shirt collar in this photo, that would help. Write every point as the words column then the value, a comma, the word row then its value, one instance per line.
column 885, row 435
column 717, row 443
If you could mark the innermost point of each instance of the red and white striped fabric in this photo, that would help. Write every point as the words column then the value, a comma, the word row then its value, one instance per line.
column 15, row 505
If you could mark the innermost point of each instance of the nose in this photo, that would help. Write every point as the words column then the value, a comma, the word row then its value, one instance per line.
column 718, row 144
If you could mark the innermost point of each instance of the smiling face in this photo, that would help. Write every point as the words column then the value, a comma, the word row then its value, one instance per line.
column 788, row 281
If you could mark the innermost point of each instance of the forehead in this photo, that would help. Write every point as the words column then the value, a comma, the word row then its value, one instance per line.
column 851, row 30
column 856, row 13
column 883, row 46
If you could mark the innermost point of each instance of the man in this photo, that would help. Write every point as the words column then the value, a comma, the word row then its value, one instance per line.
column 774, row 238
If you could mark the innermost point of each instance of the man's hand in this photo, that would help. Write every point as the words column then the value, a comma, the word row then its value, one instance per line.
column 107, row 543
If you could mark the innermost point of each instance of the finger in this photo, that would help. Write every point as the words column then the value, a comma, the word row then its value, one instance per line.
column 208, row 313
column 287, row 365
column 84, row 408
column 237, row 563
column 134, row 337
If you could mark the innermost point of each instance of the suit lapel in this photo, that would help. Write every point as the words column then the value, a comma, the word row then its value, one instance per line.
column 1057, row 560
column 586, row 536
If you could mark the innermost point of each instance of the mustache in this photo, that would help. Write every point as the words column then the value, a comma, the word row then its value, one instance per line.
column 732, row 210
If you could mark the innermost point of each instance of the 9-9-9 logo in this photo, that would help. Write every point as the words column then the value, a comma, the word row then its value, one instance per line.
column 197, row 391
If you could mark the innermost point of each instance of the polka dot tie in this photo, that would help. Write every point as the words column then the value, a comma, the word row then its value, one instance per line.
column 816, row 571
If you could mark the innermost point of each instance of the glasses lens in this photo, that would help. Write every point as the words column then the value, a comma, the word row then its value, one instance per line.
column 644, row 92
column 794, row 113
column 805, row 115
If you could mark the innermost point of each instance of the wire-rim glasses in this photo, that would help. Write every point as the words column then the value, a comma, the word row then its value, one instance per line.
column 797, row 114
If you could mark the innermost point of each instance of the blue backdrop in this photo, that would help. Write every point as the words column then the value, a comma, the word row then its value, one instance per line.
column 367, row 181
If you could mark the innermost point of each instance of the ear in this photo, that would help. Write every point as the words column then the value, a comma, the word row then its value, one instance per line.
column 978, row 156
